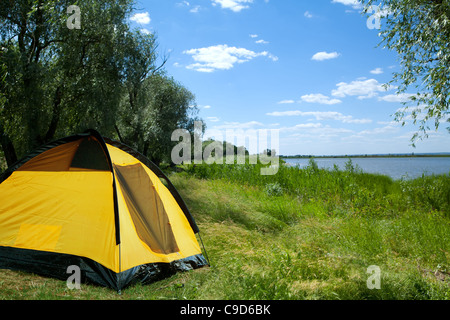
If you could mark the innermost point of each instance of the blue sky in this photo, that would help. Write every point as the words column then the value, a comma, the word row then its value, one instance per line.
column 310, row 69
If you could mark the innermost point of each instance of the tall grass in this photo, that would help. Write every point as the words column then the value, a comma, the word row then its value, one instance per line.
column 349, row 190
column 267, row 241
column 311, row 233
column 301, row 234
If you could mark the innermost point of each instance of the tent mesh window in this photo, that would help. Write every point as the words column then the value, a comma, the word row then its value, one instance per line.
column 90, row 155
column 82, row 154
column 146, row 208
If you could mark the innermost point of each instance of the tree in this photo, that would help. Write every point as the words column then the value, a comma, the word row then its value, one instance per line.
column 90, row 68
column 5, row 143
column 138, row 65
column 227, row 148
column 163, row 105
column 102, row 75
column 419, row 31
column 59, row 80
column 154, row 104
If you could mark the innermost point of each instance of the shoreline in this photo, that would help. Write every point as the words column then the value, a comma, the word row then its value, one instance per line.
column 444, row 155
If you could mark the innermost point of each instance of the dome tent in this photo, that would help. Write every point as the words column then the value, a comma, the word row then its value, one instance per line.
column 95, row 203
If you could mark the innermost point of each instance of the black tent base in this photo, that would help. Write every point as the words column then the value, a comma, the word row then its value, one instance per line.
column 56, row 265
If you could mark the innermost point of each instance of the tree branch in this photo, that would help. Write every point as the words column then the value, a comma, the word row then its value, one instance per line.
column 161, row 66
column 118, row 133
column 55, row 114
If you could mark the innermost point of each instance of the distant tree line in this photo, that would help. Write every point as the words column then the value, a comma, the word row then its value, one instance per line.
column 227, row 148
column 56, row 80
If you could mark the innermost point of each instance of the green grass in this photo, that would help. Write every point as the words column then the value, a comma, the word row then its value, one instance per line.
column 350, row 191
column 266, row 246
column 301, row 234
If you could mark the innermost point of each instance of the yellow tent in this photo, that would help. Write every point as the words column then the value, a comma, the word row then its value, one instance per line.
column 97, row 204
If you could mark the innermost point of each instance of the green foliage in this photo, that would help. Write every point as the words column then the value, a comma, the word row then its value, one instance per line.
column 311, row 253
column 153, row 104
column 59, row 80
column 432, row 192
column 104, row 76
column 289, row 246
column 274, row 189
column 350, row 190
column 419, row 31
column 312, row 166
column 227, row 149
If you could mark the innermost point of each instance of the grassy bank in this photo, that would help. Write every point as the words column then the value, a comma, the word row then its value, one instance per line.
column 332, row 192
column 312, row 233
column 301, row 234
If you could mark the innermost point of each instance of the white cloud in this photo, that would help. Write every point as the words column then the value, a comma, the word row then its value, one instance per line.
column 286, row 102
column 142, row 18
column 355, row 4
column 222, row 57
column 362, row 88
column 271, row 56
column 193, row 9
column 213, row 119
column 382, row 130
column 285, row 113
column 233, row 5
column 319, row 98
column 183, row 4
column 307, row 125
column 239, row 125
column 314, row 131
column 145, row 31
column 321, row 115
column 302, row 126
column 261, row 41
column 377, row 71
column 308, row 14
column 320, row 56
column 402, row 97
column 207, row 107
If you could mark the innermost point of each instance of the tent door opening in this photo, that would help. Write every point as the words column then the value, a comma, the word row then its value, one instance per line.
column 146, row 208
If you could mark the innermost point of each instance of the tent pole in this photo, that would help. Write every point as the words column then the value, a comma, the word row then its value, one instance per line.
column 119, row 291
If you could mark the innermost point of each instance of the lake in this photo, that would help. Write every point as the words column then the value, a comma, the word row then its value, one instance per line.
column 396, row 167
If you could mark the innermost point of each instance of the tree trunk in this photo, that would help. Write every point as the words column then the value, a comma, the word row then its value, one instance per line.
column 55, row 116
column 8, row 148
column 118, row 133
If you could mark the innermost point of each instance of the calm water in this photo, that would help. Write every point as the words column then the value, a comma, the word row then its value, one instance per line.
column 396, row 168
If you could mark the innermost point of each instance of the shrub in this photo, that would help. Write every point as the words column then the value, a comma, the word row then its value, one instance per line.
column 273, row 189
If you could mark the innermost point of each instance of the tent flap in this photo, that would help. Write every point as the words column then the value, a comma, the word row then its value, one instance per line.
column 146, row 209
column 161, row 175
